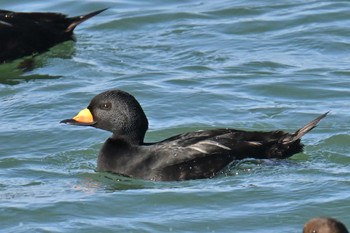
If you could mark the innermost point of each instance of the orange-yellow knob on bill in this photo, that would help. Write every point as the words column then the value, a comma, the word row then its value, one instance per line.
column 84, row 116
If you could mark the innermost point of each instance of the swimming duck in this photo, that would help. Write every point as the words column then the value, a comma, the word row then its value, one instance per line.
column 192, row 155
column 29, row 33
column 324, row 225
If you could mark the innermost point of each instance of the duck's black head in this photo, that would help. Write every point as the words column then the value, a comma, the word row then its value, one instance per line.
column 115, row 111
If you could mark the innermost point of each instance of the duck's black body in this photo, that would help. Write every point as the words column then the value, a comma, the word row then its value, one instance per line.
column 24, row 34
column 193, row 155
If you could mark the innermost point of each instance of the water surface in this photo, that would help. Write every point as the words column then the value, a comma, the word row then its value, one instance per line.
column 253, row 65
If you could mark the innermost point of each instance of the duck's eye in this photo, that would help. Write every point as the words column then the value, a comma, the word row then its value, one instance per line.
column 106, row 106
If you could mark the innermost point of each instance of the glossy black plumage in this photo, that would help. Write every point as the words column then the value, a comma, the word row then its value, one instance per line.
column 193, row 155
column 24, row 34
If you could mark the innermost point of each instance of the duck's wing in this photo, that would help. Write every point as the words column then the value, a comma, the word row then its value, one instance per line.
column 242, row 144
column 48, row 20
column 34, row 21
column 202, row 154
column 28, row 33
column 236, row 144
column 206, row 141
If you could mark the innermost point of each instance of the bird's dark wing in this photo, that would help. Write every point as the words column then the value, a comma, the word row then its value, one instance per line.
column 29, row 33
column 201, row 154
column 46, row 20
column 40, row 19
column 24, row 34
column 236, row 144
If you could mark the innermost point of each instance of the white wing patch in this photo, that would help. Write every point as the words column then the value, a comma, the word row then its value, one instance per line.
column 201, row 146
column 5, row 23
column 198, row 149
column 254, row 143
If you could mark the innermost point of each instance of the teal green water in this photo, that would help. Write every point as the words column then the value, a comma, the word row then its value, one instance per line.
column 253, row 65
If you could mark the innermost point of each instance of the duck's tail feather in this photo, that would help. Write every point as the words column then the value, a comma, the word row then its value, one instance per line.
column 79, row 19
column 289, row 144
column 302, row 131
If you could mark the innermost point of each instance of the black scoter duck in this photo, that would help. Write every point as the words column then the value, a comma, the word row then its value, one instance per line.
column 324, row 225
column 192, row 155
column 29, row 33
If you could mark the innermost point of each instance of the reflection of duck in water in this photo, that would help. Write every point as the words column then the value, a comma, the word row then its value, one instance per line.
column 324, row 225
column 24, row 34
column 193, row 155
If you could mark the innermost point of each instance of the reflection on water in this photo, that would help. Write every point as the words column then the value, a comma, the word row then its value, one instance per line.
column 23, row 69
column 110, row 182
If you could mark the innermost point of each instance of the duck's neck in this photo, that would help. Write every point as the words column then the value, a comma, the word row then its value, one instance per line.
column 130, row 139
